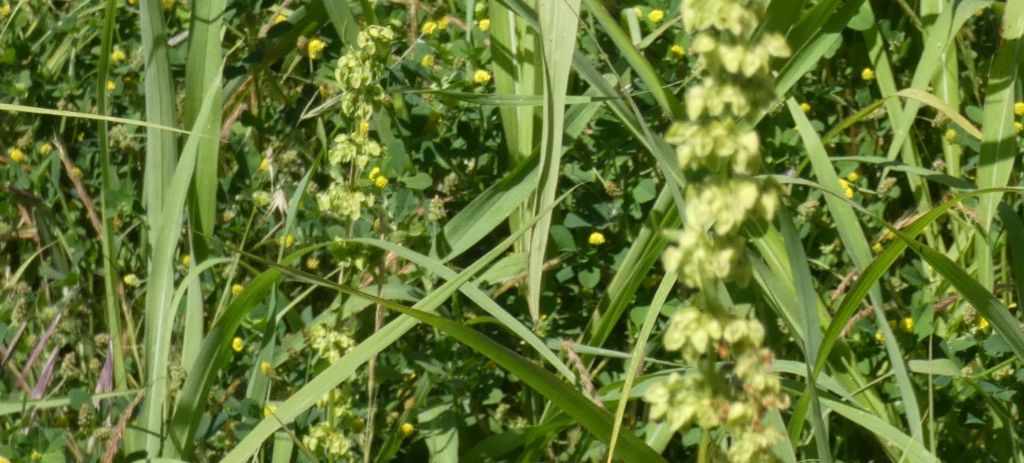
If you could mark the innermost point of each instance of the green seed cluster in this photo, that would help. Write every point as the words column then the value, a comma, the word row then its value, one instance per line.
column 721, row 156
column 356, row 75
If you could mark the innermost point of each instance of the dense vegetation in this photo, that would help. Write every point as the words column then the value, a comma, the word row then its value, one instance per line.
column 333, row 230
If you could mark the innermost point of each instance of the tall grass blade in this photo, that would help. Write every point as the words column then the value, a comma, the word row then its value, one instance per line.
column 558, row 23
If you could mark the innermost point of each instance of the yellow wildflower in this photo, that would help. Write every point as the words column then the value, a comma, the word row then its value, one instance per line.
column 131, row 280
column 427, row 61
column 442, row 23
column 289, row 240
column 380, row 182
column 879, row 336
column 76, row 172
column 481, row 76
column 1018, row 108
column 133, row 2
column 236, row 289
column 35, row 455
column 852, row 177
column 407, row 429
column 266, row 368
column 167, row 4
column 677, row 50
column 312, row 263
column 983, row 324
column 877, row 248
column 429, row 27
column 867, row 74
column 596, row 238
column 237, row 344
column 1018, row 126
column 888, row 235
column 805, row 107
column 186, row 260
column 656, row 16
column 364, row 128
column 45, row 148
column 269, row 410
column 111, row 86
column 5, row 10
column 16, row 155
column 484, row 24
column 280, row 18
column 951, row 135
column 315, row 48
column 847, row 189
column 907, row 325
column 374, row 173
column 265, row 164
column 118, row 55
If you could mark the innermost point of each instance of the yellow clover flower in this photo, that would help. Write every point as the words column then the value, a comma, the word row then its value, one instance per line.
column 481, row 76
column 656, row 15
column 186, row 260
column 677, row 50
column 280, row 18
column 269, row 410
column 111, row 86
column 265, row 164
column 266, row 368
column 877, row 248
column 596, row 238
column 45, row 148
column 118, row 55
column 907, row 325
column 852, row 177
column 236, row 289
column 951, row 135
column 442, row 23
column 315, row 47
column 1018, row 108
column 805, row 107
column 237, row 344
column 407, row 429
column 983, row 324
column 380, row 182
column 427, row 61
column 484, row 24
column 312, row 263
column 867, row 74
column 131, row 280
column 429, row 28
column 16, row 155
column 374, row 173
column 5, row 10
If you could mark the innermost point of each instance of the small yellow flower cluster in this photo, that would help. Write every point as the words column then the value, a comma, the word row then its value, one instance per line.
column 867, row 74
column 131, row 280
column 677, row 50
column 847, row 188
column 118, row 55
column 237, row 344
column 45, row 148
column 344, row 201
column 237, row 289
column 484, row 25
column 481, row 76
column 378, row 178
column 805, row 107
column 279, row 18
column 16, row 154
column 596, row 238
column 5, row 10
column 315, row 48
column 407, row 429
column 427, row 61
